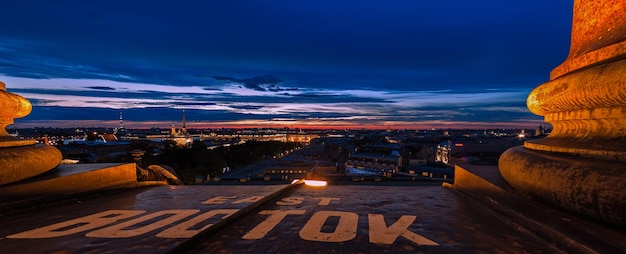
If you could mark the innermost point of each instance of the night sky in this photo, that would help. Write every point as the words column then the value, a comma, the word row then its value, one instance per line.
column 278, row 63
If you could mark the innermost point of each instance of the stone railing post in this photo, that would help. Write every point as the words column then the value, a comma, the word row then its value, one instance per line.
column 21, row 159
column 581, row 165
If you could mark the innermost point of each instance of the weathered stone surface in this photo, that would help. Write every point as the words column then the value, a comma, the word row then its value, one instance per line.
column 170, row 201
column 587, row 110
column 581, row 165
column 167, row 174
column 68, row 179
column 585, row 186
column 12, row 106
column 25, row 161
column 598, row 35
column 20, row 159
column 9, row 141
column 602, row 86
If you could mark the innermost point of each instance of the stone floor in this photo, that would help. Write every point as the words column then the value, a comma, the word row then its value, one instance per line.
column 478, row 213
column 371, row 219
column 300, row 219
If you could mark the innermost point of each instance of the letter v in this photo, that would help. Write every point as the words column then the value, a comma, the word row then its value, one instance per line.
column 381, row 234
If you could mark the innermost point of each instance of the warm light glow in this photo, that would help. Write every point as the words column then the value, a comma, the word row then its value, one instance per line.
column 363, row 115
column 252, row 124
column 295, row 181
column 316, row 183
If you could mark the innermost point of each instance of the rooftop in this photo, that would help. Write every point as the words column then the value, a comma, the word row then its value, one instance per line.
column 476, row 214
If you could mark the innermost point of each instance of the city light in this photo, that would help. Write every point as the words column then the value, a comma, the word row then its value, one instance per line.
column 315, row 183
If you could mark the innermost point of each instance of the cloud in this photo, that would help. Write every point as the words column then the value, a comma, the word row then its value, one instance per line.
column 258, row 83
column 74, row 99
column 103, row 88
column 369, row 63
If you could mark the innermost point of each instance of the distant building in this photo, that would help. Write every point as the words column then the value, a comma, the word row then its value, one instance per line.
column 473, row 149
column 374, row 162
column 264, row 135
column 446, row 149
column 301, row 137
column 181, row 137
column 540, row 131
column 288, row 170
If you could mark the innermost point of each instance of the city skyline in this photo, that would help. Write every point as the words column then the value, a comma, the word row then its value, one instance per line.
column 404, row 65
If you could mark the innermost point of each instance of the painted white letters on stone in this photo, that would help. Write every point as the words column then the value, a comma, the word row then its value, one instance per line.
column 275, row 217
column 381, row 234
column 345, row 230
column 78, row 225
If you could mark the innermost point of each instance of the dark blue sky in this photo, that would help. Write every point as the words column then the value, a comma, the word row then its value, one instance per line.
column 282, row 63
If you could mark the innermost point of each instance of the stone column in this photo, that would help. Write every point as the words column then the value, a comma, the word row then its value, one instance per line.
column 21, row 159
column 581, row 165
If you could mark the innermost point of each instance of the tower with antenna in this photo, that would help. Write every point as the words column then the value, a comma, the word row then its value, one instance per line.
column 121, row 122
column 184, row 129
column 121, row 129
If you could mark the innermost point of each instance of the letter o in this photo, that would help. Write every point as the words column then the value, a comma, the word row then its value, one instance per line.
column 345, row 230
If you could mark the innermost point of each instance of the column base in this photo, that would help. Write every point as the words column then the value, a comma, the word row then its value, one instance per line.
column 586, row 186
column 22, row 162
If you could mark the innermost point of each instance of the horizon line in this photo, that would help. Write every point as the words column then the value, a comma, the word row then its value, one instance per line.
column 263, row 124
